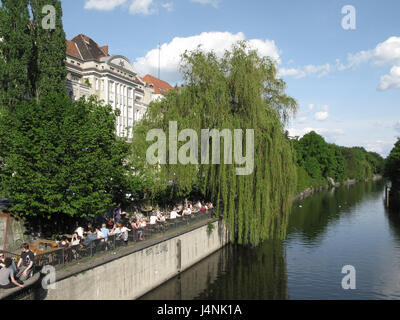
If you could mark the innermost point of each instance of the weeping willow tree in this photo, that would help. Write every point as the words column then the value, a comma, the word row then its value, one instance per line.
column 238, row 91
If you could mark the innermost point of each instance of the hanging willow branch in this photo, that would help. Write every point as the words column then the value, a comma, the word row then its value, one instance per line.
column 238, row 91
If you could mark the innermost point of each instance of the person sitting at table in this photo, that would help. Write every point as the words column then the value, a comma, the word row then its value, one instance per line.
column 187, row 211
column 79, row 231
column 134, row 221
column 105, row 231
column 89, row 239
column 179, row 208
column 198, row 205
column 7, row 280
column 140, row 226
column 25, row 263
column 203, row 207
column 153, row 219
column 117, row 231
column 63, row 243
column 110, row 224
column 125, row 234
column 160, row 217
column 174, row 214
column 90, row 229
column 210, row 205
column 76, row 240
column 98, row 233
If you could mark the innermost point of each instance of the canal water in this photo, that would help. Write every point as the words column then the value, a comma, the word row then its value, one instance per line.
column 327, row 231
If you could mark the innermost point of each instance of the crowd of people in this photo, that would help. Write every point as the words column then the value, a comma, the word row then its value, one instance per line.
column 120, row 224
column 13, row 275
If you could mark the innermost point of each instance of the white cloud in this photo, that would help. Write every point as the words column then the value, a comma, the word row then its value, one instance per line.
column 328, row 134
column 104, row 5
column 376, row 146
column 392, row 80
column 217, row 41
column 142, row 7
column 298, row 73
column 385, row 53
column 169, row 6
column 291, row 72
column 379, row 146
column 214, row 3
column 321, row 116
column 388, row 52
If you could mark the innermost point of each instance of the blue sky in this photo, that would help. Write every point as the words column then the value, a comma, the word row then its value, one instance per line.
column 347, row 82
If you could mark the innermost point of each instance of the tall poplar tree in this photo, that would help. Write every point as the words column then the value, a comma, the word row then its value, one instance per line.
column 15, row 52
column 50, row 49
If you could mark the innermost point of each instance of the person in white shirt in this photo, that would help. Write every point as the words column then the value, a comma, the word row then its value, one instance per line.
column 160, row 217
column 125, row 235
column 117, row 231
column 187, row 211
column 153, row 219
column 198, row 204
column 79, row 231
column 100, row 235
column 75, row 239
column 174, row 214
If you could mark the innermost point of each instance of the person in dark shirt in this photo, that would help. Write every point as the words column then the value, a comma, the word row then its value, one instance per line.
column 90, row 229
column 117, row 213
column 63, row 243
column 25, row 263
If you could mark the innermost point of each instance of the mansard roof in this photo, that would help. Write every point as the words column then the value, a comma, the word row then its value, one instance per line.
column 86, row 49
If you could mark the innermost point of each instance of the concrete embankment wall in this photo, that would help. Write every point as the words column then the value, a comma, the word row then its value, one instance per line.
column 133, row 275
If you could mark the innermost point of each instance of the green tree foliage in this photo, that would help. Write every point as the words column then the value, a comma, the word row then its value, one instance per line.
column 392, row 166
column 319, row 160
column 239, row 91
column 15, row 52
column 357, row 165
column 64, row 159
column 50, row 50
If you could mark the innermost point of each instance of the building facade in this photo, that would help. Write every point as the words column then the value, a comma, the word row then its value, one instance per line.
column 112, row 78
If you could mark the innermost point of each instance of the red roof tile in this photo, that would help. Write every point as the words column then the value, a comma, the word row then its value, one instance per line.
column 72, row 49
column 160, row 86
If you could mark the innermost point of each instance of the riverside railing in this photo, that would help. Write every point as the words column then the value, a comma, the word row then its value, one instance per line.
column 63, row 256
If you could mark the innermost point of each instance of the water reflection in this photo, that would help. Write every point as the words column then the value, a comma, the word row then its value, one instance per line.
column 347, row 225
column 234, row 271
column 311, row 217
